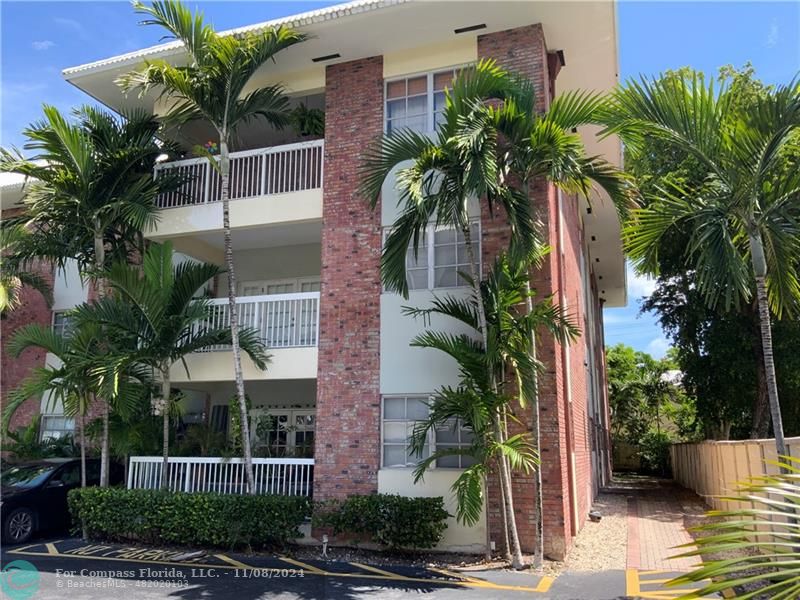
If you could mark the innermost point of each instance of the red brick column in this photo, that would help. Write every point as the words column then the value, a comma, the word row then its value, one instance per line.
column 347, row 453
column 524, row 51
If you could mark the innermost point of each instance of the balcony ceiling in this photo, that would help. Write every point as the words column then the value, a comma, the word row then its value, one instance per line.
column 293, row 234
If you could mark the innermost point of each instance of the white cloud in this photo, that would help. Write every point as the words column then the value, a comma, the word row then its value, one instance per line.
column 774, row 34
column 43, row 44
column 658, row 347
column 638, row 285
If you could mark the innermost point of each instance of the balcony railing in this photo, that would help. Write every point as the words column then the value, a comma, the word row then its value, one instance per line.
column 283, row 476
column 283, row 320
column 261, row 172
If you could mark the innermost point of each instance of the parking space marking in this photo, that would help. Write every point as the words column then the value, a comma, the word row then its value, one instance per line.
column 233, row 561
column 379, row 571
column 160, row 557
column 303, row 565
column 455, row 575
column 642, row 584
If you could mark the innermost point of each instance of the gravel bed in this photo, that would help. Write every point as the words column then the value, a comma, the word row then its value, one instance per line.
column 602, row 546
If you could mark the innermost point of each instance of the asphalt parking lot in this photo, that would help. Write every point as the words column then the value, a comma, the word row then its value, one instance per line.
column 51, row 569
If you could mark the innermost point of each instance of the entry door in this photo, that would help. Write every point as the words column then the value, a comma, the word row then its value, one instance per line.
column 285, row 432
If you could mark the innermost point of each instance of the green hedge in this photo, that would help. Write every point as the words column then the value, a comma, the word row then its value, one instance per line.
column 390, row 520
column 202, row 519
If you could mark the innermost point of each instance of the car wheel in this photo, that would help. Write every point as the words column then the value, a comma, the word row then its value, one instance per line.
column 19, row 526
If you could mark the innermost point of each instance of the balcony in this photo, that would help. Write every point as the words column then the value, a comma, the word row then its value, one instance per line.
column 284, row 320
column 270, row 186
column 288, row 325
column 283, row 476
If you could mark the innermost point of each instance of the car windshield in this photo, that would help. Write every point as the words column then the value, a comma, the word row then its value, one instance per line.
column 26, row 476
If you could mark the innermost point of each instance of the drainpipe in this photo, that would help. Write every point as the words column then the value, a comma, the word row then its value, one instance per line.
column 567, row 378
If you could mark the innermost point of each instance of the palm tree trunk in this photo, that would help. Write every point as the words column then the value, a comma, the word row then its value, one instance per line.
column 538, row 554
column 234, row 317
column 761, row 418
column 165, row 394
column 100, row 263
column 82, row 422
column 505, row 471
column 760, row 271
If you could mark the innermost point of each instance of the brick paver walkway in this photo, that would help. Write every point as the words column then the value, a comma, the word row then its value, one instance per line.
column 655, row 528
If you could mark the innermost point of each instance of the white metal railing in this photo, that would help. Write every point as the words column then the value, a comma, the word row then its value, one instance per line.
column 260, row 172
column 283, row 320
column 282, row 476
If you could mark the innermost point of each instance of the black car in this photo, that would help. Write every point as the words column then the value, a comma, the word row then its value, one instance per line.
column 34, row 494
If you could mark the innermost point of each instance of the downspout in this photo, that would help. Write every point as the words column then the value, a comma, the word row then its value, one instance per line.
column 567, row 378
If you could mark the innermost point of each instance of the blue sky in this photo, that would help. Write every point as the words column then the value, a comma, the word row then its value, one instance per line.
column 39, row 39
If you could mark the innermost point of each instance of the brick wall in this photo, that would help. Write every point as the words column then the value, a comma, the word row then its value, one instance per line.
column 348, row 394
column 564, row 424
column 33, row 309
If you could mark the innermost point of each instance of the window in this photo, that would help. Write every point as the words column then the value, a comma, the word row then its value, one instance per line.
column 441, row 258
column 56, row 426
column 417, row 102
column 400, row 415
column 61, row 323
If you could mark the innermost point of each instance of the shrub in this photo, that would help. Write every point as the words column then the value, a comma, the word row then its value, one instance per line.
column 387, row 519
column 201, row 519
column 654, row 452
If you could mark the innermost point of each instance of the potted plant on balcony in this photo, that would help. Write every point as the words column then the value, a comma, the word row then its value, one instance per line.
column 308, row 122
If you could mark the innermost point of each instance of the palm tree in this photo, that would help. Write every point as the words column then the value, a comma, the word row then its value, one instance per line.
column 90, row 193
column 484, row 397
column 491, row 144
column 211, row 87
column 159, row 309
column 77, row 380
column 743, row 222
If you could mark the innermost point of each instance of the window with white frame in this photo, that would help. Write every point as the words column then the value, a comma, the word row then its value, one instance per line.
column 400, row 415
column 441, row 258
column 56, row 426
column 417, row 102
column 61, row 322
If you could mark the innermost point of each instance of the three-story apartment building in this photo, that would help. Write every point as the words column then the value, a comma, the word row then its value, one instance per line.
column 344, row 386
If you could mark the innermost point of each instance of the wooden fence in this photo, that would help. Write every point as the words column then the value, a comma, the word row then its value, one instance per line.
column 713, row 469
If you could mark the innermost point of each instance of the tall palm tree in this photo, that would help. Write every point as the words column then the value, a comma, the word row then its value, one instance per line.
column 492, row 145
column 211, row 87
column 484, row 398
column 89, row 194
column 743, row 222
column 159, row 309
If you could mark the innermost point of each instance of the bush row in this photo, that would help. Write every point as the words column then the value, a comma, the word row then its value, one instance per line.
column 387, row 519
column 197, row 519
column 207, row 519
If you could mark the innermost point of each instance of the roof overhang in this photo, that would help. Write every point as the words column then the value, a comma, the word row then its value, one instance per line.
column 585, row 31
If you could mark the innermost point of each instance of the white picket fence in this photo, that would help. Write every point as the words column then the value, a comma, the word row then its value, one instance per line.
column 283, row 320
column 282, row 476
column 260, row 172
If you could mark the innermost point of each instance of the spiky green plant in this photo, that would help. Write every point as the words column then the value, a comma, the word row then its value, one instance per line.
column 761, row 543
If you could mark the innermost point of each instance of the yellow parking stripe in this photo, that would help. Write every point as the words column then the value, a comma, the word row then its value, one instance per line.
column 51, row 549
column 456, row 575
column 303, row 565
column 544, row 584
column 379, row 571
column 233, row 562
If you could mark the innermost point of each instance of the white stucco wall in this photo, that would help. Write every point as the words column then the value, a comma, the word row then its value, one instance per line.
column 437, row 482
column 68, row 290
